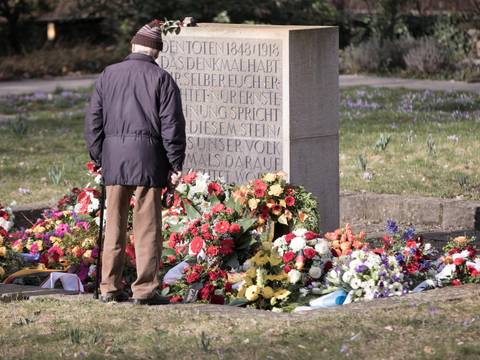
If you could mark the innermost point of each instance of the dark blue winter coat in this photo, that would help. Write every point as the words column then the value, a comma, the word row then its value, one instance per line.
column 134, row 126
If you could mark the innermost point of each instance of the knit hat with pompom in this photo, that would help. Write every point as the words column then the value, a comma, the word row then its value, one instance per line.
column 150, row 35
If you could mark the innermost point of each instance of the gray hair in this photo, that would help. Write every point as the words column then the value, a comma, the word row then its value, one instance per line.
column 136, row 48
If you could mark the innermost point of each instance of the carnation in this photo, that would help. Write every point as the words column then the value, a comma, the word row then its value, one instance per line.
column 322, row 247
column 294, row 276
column 298, row 244
column 315, row 272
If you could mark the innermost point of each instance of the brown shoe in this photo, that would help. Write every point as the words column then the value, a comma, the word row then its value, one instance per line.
column 155, row 299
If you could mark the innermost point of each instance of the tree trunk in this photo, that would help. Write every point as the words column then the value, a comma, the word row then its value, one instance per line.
column 12, row 35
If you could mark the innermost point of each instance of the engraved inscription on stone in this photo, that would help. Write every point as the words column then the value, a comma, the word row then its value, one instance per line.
column 232, row 101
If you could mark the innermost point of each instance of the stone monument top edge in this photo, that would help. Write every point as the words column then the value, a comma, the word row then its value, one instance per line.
column 250, row 29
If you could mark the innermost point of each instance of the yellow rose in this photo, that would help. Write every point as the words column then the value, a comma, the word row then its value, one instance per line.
column 252, row 293
column 269, row 177
column 275, row 190
column 2, row 272
column 251, row 273
column 253, row 203
column 3, row 251
column 267, row 292
column 1, row 240
column 282, row 203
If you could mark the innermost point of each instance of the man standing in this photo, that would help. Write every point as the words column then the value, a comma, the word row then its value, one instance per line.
column 135, row 131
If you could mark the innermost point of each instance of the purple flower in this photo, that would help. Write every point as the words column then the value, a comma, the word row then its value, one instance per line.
column 409, row 233
column 361, row 268
column 392, row 227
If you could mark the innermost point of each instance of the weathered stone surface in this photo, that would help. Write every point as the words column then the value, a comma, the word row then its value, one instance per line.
column 460, row 214
column 260, row 99
column 416, row 210
column 352, row 208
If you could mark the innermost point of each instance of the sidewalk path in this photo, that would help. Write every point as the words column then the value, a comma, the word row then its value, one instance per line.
column 45, row 85
column 48, row 85
column 435, row 85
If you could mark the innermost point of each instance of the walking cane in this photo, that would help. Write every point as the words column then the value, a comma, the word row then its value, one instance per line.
column 98, row 268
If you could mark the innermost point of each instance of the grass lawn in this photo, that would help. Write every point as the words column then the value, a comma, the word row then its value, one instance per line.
column 438, row 324
column 391, row 141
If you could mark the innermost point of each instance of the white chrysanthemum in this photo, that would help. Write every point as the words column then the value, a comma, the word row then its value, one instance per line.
column 294, row 276
column 300, row 232
column 297, row 244
column 322, row 247
column 315, row 272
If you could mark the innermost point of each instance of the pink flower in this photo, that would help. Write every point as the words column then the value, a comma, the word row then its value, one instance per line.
column 222, row 227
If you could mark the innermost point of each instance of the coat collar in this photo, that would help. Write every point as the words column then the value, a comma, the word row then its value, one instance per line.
column 141, row 57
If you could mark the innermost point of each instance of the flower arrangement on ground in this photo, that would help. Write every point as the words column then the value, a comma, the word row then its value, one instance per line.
column 460, row 262
column 365, row 275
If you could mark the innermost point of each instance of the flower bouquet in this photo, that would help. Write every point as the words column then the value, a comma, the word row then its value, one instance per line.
column 365, row 275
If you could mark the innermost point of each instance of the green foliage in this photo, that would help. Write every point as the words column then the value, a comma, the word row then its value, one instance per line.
column 382, row 142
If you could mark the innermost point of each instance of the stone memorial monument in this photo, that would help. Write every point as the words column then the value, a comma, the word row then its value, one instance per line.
column 261, row 98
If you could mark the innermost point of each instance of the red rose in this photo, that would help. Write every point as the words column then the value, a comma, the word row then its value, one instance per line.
column 228, row 287
column 288, row 256
column 310, row 235
column 289, row 238
column 212, row 276
column 474, row 273
column 197, row 268
column 235, row 228
column 456, row 282
column 309, row 253
column 222, row 227
column 196, row 245
column 458, row 261
column 287, row 269
column 171, row 259
column 176, row 299
column 192, row 277
column 214, row 188
column 206, row 291
column 290, row 201
column 212, row 250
